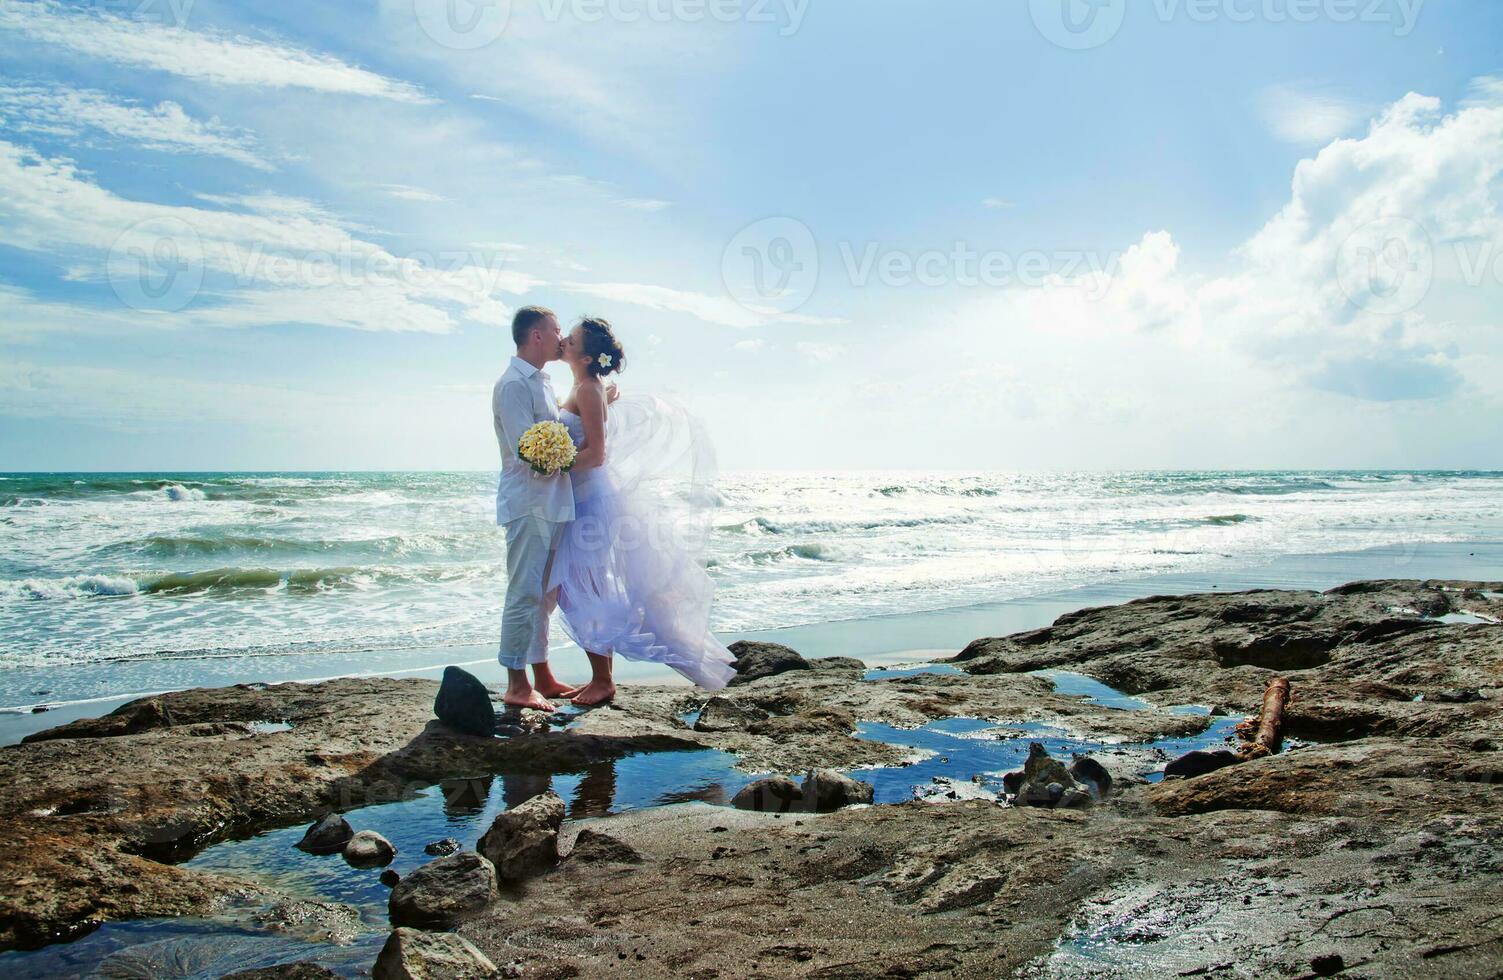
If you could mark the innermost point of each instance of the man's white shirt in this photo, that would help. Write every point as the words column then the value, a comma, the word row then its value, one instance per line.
column 522, row 398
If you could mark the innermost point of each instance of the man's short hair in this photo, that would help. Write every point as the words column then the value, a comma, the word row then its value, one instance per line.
column 526, row 319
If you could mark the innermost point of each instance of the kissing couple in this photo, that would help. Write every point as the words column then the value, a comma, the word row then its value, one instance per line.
column 615, row 543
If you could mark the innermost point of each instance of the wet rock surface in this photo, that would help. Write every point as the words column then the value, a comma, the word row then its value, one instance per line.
column 1377, row 850
column 444, row 892
column 414, row 955
column 523, row 841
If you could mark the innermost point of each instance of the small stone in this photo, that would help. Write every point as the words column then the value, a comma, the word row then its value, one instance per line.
column 410, row 954
column 825, row 790
column 1200, row 762
column 368, row 849
column 757, row 660
column 1086, row 769
column 721, row 714
column 327, row 836
column 302, row 970
column 389, row 878
column 523, row 841
column 464, row 704
column 593, row 847
column 773, row 794
column 1327, row 965
column 442, row 848
column 442, row 893
column 1044, row 781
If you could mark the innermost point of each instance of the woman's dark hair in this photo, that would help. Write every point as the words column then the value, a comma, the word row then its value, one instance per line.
column 607, row 356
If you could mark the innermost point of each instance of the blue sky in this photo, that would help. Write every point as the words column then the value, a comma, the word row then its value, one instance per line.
column 1224, row 233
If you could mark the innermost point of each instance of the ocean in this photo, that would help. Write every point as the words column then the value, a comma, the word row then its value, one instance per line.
column 113, row 584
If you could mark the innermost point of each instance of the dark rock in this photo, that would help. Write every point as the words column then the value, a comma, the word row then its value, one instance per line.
column 594, row 847
column 825, row 790
column 773, row 794
column 817, row 721
column 1200, row 762
column 442, row 848
column 721, row 714
column 41, row 709
column 464, row 704
column 389, row 878
column 443, row 893
column 523, row 841
column 1086, row 769
column 368, row 849
column 304, row 970
column 413, row 955
column 1327, row 965
column 1044, row 781
column 328, row 836
column 1466, row 695
column 757, row 660
column 836, row 663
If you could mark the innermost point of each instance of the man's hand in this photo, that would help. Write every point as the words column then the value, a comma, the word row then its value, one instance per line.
column 612, row 392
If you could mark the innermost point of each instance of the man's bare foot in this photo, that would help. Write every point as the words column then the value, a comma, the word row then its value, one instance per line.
column 555, row 689
column 594, row 693
column 529, row 698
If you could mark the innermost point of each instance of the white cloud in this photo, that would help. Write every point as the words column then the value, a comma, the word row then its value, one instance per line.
column 63, row 111
column 749, row 346
column 820, row 353
column 997, row 203
column 402, row 192
column 643, row 204
column 1307, row 116
column 720, row 310
column 218, row 58
column 276, row 262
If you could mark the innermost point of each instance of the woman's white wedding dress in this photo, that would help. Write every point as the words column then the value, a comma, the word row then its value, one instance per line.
column 630, row 568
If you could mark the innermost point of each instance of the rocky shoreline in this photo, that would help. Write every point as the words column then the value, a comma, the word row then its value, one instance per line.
column 1375, row 849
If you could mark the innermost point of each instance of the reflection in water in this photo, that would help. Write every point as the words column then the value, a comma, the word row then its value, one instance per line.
column 465, row 797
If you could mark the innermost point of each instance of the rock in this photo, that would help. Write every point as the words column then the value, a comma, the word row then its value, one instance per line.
column 825, row 790
column 442, row 848
column 757, row 660
column 1200, row 762
column 1086, row 769
column 1327, row 965
column 593, row 847
column 328, row 836
column 128, row 719
column 836, row 663
column 773, row 794
column 368, row 849
column 721, row 714
column 303, row 970
column 464, row 704
column 442, row 893
column 1044, row 781
column 523, row 841
column 413, row 955
column 389, row 878
column 315, row 922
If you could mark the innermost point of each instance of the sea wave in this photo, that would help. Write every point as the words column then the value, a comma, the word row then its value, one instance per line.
column 235, row 579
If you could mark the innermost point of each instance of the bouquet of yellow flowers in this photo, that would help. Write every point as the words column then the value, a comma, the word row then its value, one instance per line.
column 548, row 448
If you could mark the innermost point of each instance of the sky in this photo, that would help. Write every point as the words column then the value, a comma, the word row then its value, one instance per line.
column 1031, row 234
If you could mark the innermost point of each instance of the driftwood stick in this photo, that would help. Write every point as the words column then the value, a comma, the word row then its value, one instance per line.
column 1264, row 735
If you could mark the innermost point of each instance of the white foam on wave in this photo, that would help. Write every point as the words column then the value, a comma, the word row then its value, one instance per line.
column 176, row 492
column 72, row 587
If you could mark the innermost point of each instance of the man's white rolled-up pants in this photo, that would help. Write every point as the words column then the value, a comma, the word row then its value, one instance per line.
column 524, row 619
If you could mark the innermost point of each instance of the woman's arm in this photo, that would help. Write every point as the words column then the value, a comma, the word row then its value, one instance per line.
column 592, row 413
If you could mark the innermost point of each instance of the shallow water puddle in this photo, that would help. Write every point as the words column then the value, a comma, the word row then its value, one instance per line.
column 953, row 758
column 1466, row 619
column 889, row 673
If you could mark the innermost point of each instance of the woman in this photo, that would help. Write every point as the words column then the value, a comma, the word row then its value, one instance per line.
column 628, row 570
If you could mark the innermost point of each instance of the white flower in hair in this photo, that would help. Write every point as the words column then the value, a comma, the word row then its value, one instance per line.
column 604, row 359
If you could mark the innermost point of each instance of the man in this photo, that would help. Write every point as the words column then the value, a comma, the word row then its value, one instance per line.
column 532, row 508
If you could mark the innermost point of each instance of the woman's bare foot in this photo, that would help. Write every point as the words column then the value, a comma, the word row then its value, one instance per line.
column 593, row 693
